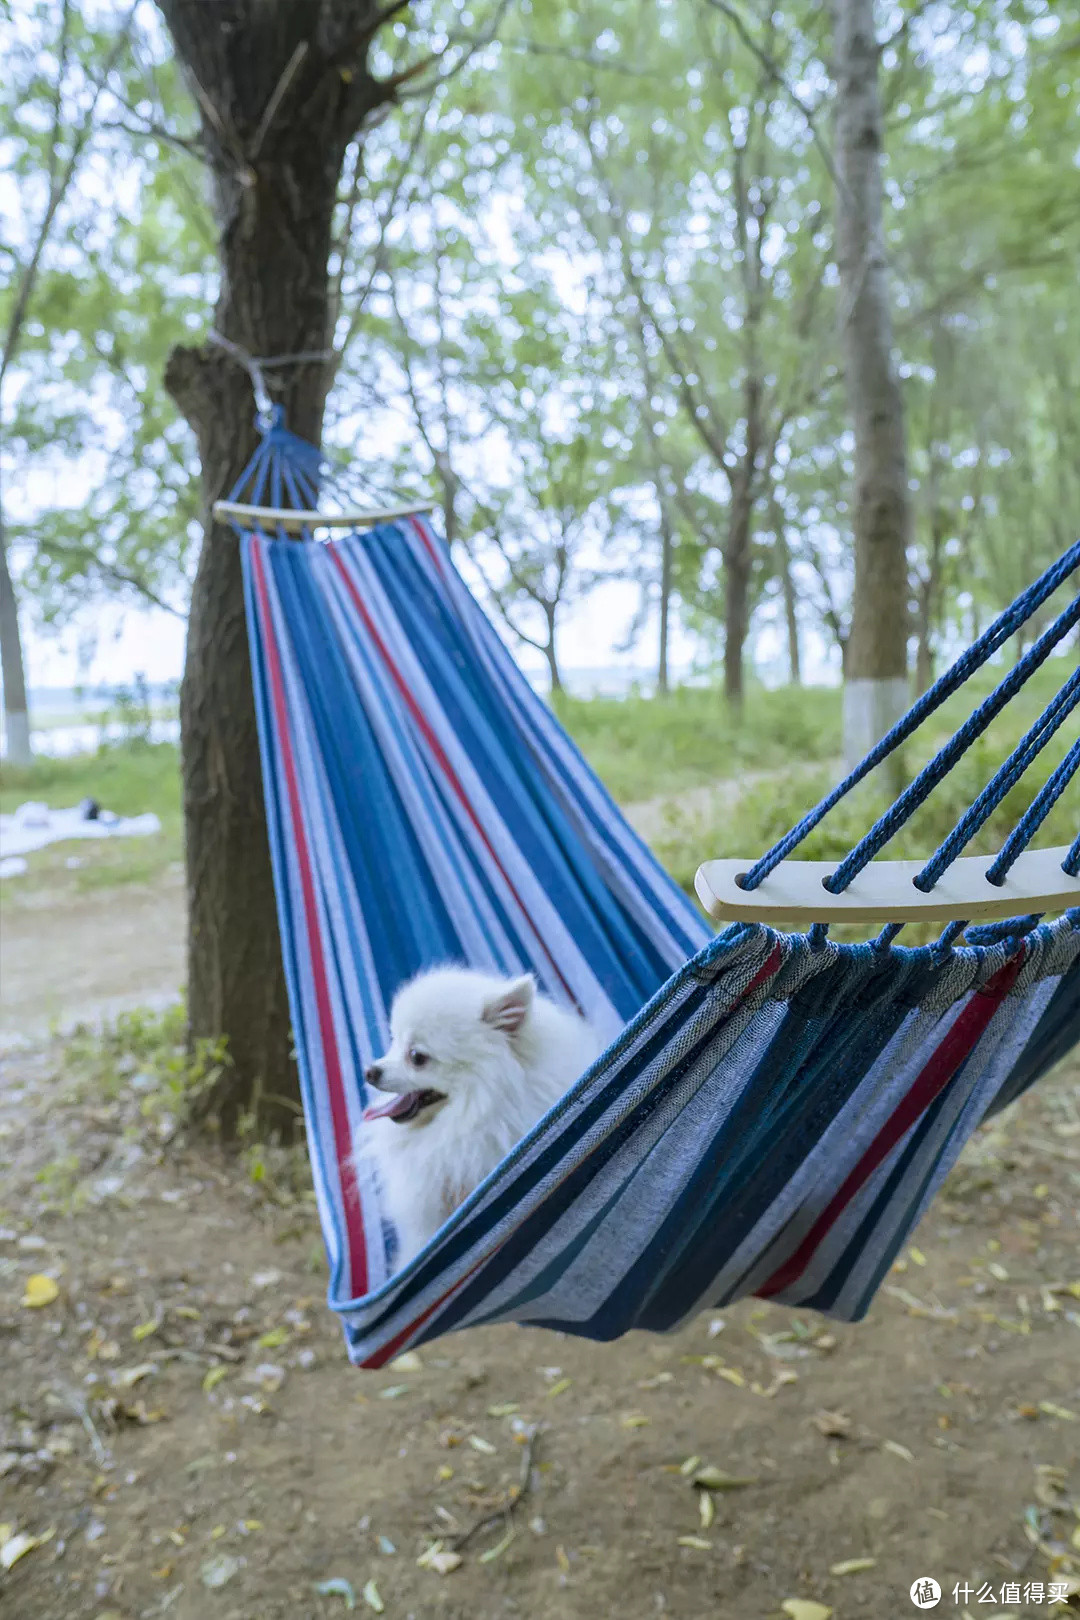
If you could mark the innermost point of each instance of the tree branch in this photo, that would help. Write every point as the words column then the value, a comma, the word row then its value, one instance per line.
column 773, row 70
column 60, row 180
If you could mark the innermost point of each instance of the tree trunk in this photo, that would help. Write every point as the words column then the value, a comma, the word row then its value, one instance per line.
column 554, row 672
column 667, row 569
column 875, row 688
column 17, row 749
column 738, row 546
column 281, row 89
column 737, row 587
column 791, row 615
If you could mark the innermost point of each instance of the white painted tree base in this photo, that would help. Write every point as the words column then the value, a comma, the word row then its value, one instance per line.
column 871, row 708
column 17, row 750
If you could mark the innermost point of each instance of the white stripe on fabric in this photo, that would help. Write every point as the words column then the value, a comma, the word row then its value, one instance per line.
column 539, row 916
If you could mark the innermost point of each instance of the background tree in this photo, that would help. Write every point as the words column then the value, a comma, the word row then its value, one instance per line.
column 875, row 671
column 55, row 87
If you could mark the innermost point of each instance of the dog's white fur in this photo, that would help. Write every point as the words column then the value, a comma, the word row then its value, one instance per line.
column 500, row 1055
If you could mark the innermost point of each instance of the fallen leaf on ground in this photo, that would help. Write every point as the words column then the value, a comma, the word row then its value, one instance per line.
column 835, row 1425
column 1053, row 1410
column 780, row 1379
column 393, row 1391
column 144, row 1329
column 714, row 1479
column 634, row 1420
column 371, row 1597
column 128, row 1377
column 689, row 1465
column 479, row 1444
column 852, row 1566
column 732, row 1375
column 40, row 1290
column 274, row 1339
column 409, row 1362
column 214, row 1377
column 706, row 1509
column 439, row 1559
column 557, row 1389
column 697, row 1542
column 17, row 1546
column 898, row 1450
column 504, row 1410
column 656, row 1380
column 217, row 1572
column 499, row 1548
column 805, row 1609
column 337, row 1586
column 562, row 1560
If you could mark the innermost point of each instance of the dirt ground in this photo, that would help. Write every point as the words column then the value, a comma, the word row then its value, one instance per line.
column 105, row 950
column 180, row 1429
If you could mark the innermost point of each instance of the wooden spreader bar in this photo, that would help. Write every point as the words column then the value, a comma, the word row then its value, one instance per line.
column 792, row 895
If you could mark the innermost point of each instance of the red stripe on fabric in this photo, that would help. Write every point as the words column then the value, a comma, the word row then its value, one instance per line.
column 350, row 1197
column 394, row 1346
column 400, row 1339
column 954, row 1050
column 444, row 763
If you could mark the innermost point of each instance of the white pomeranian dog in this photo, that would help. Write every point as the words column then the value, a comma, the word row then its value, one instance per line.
column 474, row 1062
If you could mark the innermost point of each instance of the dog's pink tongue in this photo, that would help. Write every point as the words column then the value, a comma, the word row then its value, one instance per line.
column 393, row 1107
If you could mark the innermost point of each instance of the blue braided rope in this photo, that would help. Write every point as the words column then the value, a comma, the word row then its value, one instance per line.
column 983, row 648
column 1003, row 780
column 1034, row 816
column 944, row 760
column 1071, row 863
column 1008, row 928
column 946, row 939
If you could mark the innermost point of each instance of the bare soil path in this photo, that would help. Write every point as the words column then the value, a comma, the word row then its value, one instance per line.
column 67, row 956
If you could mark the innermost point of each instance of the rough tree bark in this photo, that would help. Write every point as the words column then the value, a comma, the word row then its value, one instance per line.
column 875, row 686
column 790, row 598
column 282, row 89
column 738, row 542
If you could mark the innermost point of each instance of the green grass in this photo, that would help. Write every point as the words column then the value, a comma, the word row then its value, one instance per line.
column 764, row 811
column 129, row 778
column 645, row 747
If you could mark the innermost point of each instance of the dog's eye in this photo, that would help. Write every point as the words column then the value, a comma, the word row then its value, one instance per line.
column 416, row 1057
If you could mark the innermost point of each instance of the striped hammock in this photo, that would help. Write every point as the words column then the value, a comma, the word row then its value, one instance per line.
column 773, row 1113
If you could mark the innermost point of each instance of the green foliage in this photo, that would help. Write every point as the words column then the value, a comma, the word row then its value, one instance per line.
column 648, row 747
column 144, row 1055
column 569, row 279
column 101, row 499
column 760, row 814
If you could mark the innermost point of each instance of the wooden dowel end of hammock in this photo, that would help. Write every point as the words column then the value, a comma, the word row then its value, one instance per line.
column 292, row 520
column 792, row 895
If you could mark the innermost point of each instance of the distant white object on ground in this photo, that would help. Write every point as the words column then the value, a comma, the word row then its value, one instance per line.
column 34, row 825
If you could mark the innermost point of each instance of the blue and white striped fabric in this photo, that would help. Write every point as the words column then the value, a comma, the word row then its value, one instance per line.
column 768, row 1118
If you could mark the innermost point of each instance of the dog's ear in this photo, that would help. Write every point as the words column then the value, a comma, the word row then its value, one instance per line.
column 509, row 1009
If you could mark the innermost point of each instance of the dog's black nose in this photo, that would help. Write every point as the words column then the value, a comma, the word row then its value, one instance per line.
column 373, row 1074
